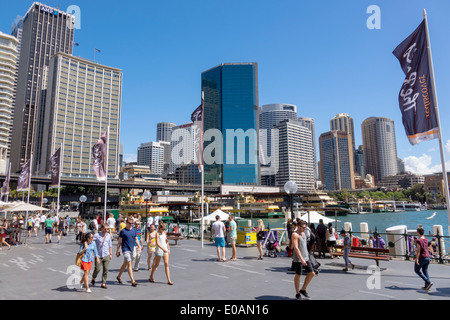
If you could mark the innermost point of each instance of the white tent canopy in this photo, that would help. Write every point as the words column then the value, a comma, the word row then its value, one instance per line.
column 23, row 206
column 314, row 217
column 212, row 216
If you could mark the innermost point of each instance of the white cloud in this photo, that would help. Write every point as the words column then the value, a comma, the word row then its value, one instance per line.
column 423, row 164
column 130, row 157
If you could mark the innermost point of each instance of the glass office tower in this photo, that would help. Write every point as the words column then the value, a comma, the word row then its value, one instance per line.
column 231, row 110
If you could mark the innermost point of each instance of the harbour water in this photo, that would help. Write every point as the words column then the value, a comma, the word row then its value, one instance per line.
column 383, row 220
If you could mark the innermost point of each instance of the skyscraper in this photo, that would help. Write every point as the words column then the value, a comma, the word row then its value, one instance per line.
column 8, row 62
column 231, row 110
column 182, row 146
column 343, row 122
column 45, row 32
column 380, row 147
column 84, row 98
column 336, row 160
column 294, row 150
column 164, row 131
column 309, row 123
column 151, row 154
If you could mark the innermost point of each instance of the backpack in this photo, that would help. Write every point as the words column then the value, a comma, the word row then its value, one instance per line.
column 92, row 226
column 312, row 238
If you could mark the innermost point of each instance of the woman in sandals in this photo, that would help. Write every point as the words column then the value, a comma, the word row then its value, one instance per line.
column 151, row 244
column 89, row 249
column 162, row 250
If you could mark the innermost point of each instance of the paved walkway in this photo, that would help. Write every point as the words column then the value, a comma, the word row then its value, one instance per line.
column 46, row 271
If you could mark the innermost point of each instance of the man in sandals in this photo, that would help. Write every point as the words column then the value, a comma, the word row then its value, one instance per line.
column 127, row 239
column 301, row 260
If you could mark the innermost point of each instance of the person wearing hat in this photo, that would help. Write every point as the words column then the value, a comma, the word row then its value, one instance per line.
column 103, row 240
column 347, row 248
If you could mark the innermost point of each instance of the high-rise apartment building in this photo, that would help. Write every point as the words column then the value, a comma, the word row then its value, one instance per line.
column 8, row 64
column 151, row 154
column 231, row 110
column 182, row 146
column 164, row 131
column 46, row 31
column 380, row 147
column 336, row 160
column 343, row 122
column 83, row 99
column 309, row 123
column 294, row 150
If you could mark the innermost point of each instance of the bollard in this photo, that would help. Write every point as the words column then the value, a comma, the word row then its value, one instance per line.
column 364, row 231
column 347, row 226
column 437, row 229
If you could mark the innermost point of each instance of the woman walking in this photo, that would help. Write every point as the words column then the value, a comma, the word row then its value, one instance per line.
column 162, row 250
column 331, row 239
column 422, row 259
column 3, row 234
column 347, row 248
column 89, row 249
column 151, row 244
column 260, row 238
column 61, row 228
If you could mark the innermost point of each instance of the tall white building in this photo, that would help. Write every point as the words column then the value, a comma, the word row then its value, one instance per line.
column 164, row 131
column 182, row 146
column 295, row 155
column 83, row 99
column 151, row 154
column 309, row 123
column 380, row 147
column 343, row 122
column 8, row 66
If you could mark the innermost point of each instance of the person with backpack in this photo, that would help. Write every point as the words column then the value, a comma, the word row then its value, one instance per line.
column 321, row 232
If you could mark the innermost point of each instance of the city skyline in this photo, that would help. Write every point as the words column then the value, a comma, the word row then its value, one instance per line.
column 332, row 51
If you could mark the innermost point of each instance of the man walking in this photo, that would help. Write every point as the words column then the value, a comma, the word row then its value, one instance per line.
column 127, row 239
column 219, row 237
column 301, row 260
column 321, row 238
column 103, row 242
column 232, row 237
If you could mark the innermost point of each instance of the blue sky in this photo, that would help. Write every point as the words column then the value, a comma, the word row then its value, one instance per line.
column 318, row 55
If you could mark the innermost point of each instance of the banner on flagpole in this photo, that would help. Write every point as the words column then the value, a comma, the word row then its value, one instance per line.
column 99, row 155
column 23, row 182
column 416, row 95
column 197, row 119
column 55, row 161
column 5, row 186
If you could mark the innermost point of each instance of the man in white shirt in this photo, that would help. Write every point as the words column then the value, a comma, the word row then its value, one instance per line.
column 218, row 229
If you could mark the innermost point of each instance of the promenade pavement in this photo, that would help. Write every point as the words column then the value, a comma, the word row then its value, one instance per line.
column 39, row 271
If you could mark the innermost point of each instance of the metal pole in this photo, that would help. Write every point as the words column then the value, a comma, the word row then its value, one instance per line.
column 203, row 192
column 106, row 178
column 59, row 178
column 433, row 83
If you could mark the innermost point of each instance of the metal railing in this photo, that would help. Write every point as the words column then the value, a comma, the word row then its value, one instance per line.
column 403, row 244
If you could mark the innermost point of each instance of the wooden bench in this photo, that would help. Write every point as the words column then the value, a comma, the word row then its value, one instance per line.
column 376, row 254
column 174, row 236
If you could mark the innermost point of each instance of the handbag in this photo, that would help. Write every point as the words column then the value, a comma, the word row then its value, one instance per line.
column 78, row 259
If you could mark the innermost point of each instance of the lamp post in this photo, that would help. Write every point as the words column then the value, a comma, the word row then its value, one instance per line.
column 290, row 188
column 147, row 196
column 83, row 199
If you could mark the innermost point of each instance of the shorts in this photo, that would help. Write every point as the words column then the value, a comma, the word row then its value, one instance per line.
column 219, row 241
column 86, row 265
column 233, row 240
column 48, row 230
column 331, row 243
column 299, row 268
column 128, row 256
column 30, row 228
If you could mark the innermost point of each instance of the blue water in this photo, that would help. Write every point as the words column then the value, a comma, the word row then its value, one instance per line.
column 384, row 220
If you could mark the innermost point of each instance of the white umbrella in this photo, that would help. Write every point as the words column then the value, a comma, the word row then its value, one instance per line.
column 212, row 216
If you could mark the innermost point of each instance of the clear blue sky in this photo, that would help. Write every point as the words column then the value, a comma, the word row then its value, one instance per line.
column 318, row 55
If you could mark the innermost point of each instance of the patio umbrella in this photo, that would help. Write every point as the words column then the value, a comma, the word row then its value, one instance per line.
column 23, row 206
column 314, row 217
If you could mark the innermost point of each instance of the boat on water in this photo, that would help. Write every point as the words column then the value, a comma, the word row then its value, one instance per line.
column 132, row 204
column 247, row 207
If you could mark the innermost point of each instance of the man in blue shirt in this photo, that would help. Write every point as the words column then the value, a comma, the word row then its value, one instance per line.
column 127, row 239
column 104, row 248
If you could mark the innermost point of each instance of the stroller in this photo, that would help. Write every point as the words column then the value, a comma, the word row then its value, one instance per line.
column 272, row 247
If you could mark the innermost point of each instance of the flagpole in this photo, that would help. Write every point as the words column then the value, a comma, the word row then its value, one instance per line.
column 59, row 178
column 441, row 147
column 106, row 177
column 201, row 165
column 29, row 181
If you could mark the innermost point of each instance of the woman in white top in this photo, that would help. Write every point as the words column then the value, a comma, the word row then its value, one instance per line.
column 331, row 239
column 111, row 222
column 162, row 250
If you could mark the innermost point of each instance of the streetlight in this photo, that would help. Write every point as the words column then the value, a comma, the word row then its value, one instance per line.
column 83, row 199
column 290, row 188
